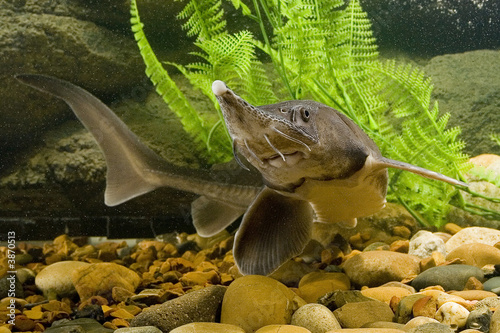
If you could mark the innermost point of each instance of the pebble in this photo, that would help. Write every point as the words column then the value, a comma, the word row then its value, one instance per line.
column 100, row 279
column 200, row 305
column 451, row 277
column 7, row 285
column 316, row 284
column 418, row 321
column 473, row 295
column 375, row 268
column 291, row 272
column 367, row 330
column 424, row 243
column 254, row 301
column 493, row 285
column 495, row 322
column 336, row 299
column 355, row 315
column 432, row 328
column 476, row 254
column 316, row 318
column 77, row 325
column 404, row 311
column 205, row 328
column 384, row 324
column 490, row 302
column 55, row 280
column 452, row 314
column 282, row 329
column 385, row 294
column 473, row 235
column 425, row 307
column 142, row 329
column 479, row 319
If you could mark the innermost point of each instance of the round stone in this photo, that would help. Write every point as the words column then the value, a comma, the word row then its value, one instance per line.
column 473, row 235
column 254, row 301
column 282, row 329
column 453, row 315
column 418, row 321
column 207, row 328
column 100, row 279
column 385, row 294
column 476, row 254
column 493, row 285
column 55, row 280
column 316, row 318
column 316, row 284
column 424, row 243
column 451, row 277
column 375, row 268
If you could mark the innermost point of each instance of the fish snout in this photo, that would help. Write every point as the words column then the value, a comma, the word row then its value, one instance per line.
column 219, row 88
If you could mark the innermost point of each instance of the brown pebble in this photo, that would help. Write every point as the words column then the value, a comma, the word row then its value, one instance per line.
column 39, row 327
column 120, row 294
column 332, row 256
column 473, row 295
column 23, row 323
column 133, row 309
column 425, row 307
column 119, row 322
column 181, row 265
column 110, row 325
column 452, row 228
column 121, row 313
column 473, row 284
column 401, row 246
column 98, row 300
column 401, row 231
column 200, row 278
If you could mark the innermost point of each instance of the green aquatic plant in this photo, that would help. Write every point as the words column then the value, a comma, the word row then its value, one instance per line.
column 324, row 50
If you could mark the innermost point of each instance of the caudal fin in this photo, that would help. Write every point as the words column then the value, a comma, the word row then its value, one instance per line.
column 128, row 160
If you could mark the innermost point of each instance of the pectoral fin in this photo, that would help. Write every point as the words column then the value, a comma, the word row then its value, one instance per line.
column 211, row 217
column 274, row 229
column 388, row 163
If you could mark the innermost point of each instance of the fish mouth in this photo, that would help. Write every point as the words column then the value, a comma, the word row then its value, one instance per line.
column 284, row 159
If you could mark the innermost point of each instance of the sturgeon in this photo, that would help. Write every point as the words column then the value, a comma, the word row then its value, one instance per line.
column 313, row 164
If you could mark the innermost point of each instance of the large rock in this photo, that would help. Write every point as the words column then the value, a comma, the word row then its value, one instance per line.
column 254, row 301
column 197, row 306
column 473, row 102
column 375, row 268
column 452, row 277
column 473, row 235
column 100, row 279
column 105, row 62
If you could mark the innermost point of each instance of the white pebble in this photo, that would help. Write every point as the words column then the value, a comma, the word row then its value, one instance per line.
column 316, row 318
column 452, row 314
column 424, row 243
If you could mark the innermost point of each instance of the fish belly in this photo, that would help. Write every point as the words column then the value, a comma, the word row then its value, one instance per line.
column 345, row 200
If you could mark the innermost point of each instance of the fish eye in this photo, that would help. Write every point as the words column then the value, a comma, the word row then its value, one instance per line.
column 305, row 114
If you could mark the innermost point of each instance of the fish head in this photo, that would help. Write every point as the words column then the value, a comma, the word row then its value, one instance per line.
column 291, row 141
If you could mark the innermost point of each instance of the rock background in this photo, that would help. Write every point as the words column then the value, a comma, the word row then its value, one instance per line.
column 50, row 166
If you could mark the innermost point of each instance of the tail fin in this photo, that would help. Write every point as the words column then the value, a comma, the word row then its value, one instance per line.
column 128, row 160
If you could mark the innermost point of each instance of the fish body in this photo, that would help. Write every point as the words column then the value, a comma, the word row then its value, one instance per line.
column 313, row 165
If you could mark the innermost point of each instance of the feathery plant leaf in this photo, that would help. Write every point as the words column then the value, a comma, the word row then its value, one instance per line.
column 322, row 49
column 193, row 123
column 204, row 19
